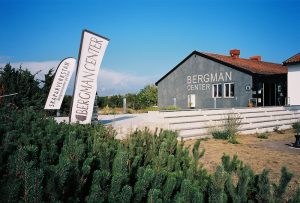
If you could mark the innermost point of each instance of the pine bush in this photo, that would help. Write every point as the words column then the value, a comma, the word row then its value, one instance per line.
column 42, row 161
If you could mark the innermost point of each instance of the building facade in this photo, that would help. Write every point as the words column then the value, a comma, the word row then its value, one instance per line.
column 204, row 80
column 293, row 65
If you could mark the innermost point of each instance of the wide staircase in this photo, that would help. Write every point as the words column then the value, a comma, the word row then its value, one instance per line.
column 191, row 124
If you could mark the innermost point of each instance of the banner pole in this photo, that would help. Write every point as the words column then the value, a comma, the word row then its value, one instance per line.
column 76, row 74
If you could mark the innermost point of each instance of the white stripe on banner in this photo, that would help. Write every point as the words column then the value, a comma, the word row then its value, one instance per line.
column 60, row 83
column 93, row 47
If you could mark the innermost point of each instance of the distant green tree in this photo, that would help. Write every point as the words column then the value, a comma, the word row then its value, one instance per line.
column 147, row 97
column 102, row 101
column 131, row 100
column 116, row 101
column 23, row 82
column 47, row 82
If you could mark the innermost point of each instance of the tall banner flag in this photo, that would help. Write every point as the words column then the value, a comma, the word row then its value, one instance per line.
column 91, row 53
column 60, row 83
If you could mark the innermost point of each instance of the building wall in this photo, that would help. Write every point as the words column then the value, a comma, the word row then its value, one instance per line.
column 199, row 72
column 294, row 84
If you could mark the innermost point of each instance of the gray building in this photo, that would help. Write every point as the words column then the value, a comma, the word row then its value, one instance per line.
column 205, row 80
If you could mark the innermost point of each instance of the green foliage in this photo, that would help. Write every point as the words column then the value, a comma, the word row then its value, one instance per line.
column 286, row 177
column 224, row 135
column 263, row 188
column 145, row 98
column 229, row 129
column 154, row 196
column 296, row 197
column 21, row 81
column 31, row 91
column 240, row 192
column 42, row 161
column 231, row 165
column 263, row 136
column 296, row 127
column 217, row 186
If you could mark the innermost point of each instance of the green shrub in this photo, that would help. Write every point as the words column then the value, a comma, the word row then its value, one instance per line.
column 232, row 124
column 280, row 189
column 296, row 127
column 228, row 130
column 42, row 161
column 263, row 135
column 224, row 135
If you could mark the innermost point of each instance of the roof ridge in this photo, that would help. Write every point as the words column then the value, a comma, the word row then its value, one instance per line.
column 287, row 60
column 248, row 59
column 255, row 67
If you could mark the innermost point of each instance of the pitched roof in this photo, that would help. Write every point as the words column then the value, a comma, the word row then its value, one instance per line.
column 293, row 60
column 249, row 66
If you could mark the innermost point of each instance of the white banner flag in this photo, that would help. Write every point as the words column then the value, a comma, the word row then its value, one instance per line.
column 60, row 83
column 90, row 57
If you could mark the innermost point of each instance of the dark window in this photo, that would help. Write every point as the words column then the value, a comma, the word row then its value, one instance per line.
column 229, row 89
column 217, row 90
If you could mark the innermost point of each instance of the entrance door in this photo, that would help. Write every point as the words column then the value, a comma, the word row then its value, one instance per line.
column 269, row 94
column 258, row 92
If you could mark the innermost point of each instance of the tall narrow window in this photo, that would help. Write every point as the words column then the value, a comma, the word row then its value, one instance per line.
column 229, row 90
column 217, row 90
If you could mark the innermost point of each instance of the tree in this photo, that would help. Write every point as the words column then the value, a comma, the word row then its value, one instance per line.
column 23, row 82
column 147, row 97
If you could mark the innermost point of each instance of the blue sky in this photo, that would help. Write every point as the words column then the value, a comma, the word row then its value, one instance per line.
column 148, row 37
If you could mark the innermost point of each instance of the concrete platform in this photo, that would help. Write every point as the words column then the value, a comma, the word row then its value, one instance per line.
column 191, row 124
column 125, row 124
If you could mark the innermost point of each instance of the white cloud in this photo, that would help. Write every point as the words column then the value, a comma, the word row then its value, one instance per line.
column 40, row 67
column 109, row 82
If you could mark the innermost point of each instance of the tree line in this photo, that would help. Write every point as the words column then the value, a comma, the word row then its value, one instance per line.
column 34, row 92
column 146, row 97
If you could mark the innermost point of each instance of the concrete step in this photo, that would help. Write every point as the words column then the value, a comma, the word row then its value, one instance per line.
column 197, row 119
column 193, row 125
column 199, row 123
column 189, row 132
column 207, row 117
column 269, row 118
column 265, row 129
column 204, row 123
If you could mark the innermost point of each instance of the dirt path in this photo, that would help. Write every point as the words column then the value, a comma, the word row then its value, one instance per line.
column 271, row 153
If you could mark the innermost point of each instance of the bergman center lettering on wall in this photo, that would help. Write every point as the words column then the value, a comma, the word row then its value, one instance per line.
column 204, row 81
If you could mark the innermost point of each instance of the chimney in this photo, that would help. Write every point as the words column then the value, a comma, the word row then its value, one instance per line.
column 255, row 58
column 235, row 53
